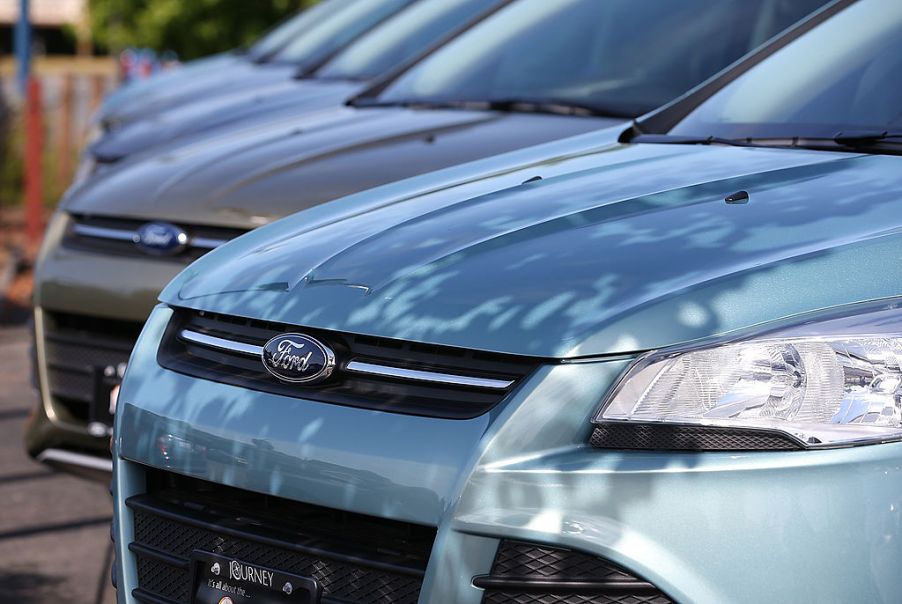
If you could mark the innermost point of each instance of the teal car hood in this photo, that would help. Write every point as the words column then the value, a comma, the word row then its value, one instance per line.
column 638, row 251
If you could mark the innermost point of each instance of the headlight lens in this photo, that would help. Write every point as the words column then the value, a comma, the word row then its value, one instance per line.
column 820, row 390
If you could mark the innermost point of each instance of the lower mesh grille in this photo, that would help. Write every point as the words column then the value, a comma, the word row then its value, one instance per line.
column 527, row 573
column 688, row 438
column 355, row 558
column 85, row 357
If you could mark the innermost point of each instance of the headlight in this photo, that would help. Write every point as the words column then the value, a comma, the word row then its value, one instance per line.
column 827, row 383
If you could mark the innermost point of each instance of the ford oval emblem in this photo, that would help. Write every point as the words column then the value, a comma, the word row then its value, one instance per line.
column 299, row 359
column 161, row 238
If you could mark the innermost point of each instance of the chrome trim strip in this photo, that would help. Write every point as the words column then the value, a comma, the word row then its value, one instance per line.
column 80, row 460
column 104, row 233
column 220, row 343
column 427, row 376
column 205, row 243
column 357, row 366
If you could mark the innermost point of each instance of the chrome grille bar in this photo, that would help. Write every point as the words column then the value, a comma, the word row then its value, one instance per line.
column 104, row 233
column 203, row 339
column 427, row 376
column 205, row 243
column 400, row 373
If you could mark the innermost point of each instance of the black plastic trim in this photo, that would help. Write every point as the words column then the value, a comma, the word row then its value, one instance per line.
column 146, row 597
column 151, row 552
column 525, row 571
column 182, row 515
column 489, row 582
column 346, row 388
column 681, row 437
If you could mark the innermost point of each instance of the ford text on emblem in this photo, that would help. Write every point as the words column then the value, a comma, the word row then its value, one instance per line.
column 296, row 358
column 161, row 238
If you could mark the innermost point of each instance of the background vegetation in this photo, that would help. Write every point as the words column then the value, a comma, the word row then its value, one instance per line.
column 191, row 28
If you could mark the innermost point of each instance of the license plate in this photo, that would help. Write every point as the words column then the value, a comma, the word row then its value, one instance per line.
column 221, row 580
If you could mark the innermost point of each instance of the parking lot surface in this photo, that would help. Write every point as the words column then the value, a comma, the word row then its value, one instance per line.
column 54, row 528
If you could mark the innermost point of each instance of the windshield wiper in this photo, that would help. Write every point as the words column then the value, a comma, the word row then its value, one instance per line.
column 858, row 138
column 865, row 141
column 674, row 139
column 550, row 106
column 557, row 107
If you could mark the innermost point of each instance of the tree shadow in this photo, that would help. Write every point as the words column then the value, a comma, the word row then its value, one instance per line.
column 25, row 587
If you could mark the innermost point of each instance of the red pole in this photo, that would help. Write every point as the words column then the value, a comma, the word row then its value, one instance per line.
column 64, row 154
column 34, row 146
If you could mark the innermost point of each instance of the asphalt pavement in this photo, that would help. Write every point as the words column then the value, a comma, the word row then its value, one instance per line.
column 54, row 528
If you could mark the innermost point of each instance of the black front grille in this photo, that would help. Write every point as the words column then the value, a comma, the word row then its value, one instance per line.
column 125, row 247
column 344, row 387
column 355, row 558
column 528, row 573
column 84, row 358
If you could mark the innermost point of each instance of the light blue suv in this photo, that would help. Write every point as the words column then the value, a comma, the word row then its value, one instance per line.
column 669, row 370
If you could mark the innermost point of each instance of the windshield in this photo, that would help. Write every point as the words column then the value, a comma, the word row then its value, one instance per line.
column 336, row 31
column 844, row 75
column 288, row 30
column 624, row 57
column 403, row 37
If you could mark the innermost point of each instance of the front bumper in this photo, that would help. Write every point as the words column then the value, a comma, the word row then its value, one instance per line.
column 89, row 308
column 804, row 526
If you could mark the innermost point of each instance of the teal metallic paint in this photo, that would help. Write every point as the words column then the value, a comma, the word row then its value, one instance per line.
column 642, row 249
column 795, row 524
column 371, row 462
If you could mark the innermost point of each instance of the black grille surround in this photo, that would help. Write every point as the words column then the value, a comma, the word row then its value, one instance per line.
column 345, row 387
column 530, row 573
column 84, row 356
column 125, row 247
column 356, row 558
column 663, row 437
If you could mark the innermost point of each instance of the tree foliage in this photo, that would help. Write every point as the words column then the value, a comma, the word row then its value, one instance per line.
column 191, row 28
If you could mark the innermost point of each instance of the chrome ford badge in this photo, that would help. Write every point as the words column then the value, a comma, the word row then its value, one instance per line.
column 296, row 358
column 161, row 238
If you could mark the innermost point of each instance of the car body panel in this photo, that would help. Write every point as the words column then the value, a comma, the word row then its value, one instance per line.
column 71, row 280
column 244, row 179
column 126, row 287
column 392, row 46
column 259, row 104
column 206, row 67
column 524, row 472
column 207, row 82
column 323, row 29
column 416, row 270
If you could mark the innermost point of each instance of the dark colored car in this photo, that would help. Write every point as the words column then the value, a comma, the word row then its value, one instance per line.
column 299, row 45
column 386, row 48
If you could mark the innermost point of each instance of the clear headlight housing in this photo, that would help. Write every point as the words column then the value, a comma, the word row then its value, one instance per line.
column 828, row 383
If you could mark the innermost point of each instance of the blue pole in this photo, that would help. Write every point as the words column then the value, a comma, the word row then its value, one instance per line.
column 23, row 46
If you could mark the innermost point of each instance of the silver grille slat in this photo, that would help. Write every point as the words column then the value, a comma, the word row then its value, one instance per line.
column 104, row 233
column 415, row 375
column 205, row 243
column 418, row 375
column 220, row 343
